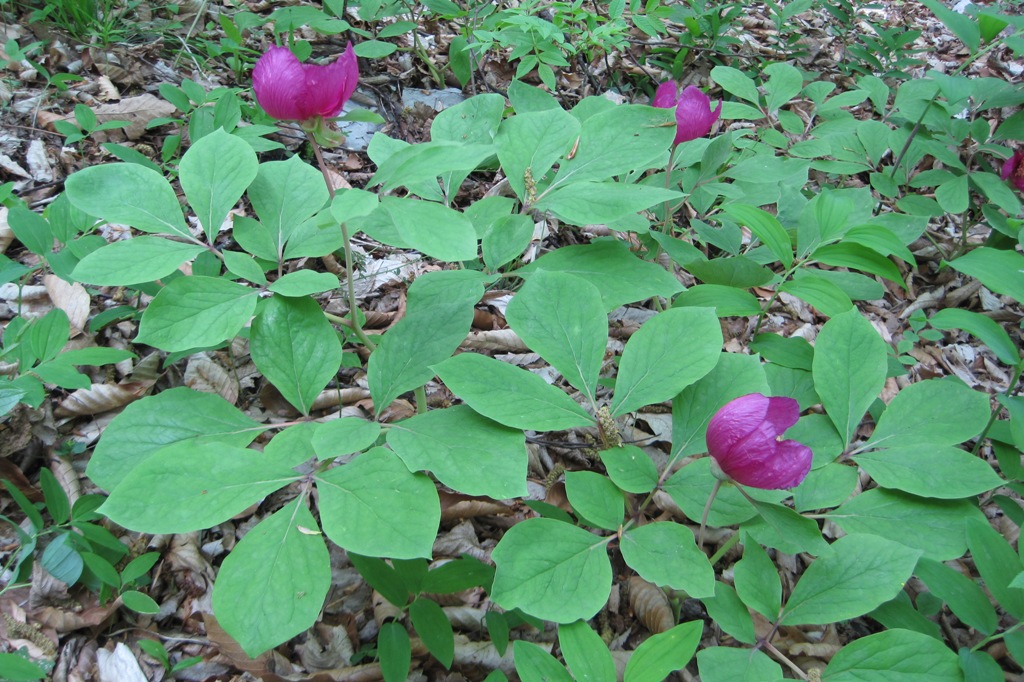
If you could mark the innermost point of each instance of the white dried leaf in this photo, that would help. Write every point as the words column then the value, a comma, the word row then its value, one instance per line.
column 72, row 298
column 119, row 665
column 38, row 163
column 108, row 91
column 11, row 166
column 6, row 233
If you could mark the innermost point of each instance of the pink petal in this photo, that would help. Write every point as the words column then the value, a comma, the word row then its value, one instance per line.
column 666, row 96
column 279, row 82
column 782, row 413
column 736, row 420
column 1008, row 167
column 330, row 86
column 786, row 469
column 694, row 117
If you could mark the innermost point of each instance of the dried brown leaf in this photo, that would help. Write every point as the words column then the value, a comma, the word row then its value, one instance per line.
column 230, row 649
column 101, row 398
column 72, row 298
column 650, row 605
column 108, row 91
column 205, row 374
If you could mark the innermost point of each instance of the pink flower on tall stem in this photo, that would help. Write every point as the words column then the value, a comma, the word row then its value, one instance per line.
column 1013, row 169
column 744, row 438
column 694, row 115
column 289, row 90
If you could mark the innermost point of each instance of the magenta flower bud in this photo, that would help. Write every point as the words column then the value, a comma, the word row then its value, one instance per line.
column 744, row 440
column 694, row 116
column 1013, row 169
column 289, row 90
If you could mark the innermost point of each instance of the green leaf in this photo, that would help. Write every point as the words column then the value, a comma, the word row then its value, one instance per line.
column 189, row 486
column 630, row 468
column 934, row 526
column 196, row 312
column 458, row 575
column 102, row 569
column 434, row 628
column 851, row 255
column 655, row 365
column 552, row 570
column 979, row 666
column 134, row 261
column 997, row 563
column 794, row 352
column 284, row 195
column 965, row 28
column 506, row 239
column 48, row 335
column 138, row 567
column 585, row 653
column 510, row 395
column 173, row 416
column 666, row 554
column 849, row 369
column 130, row 194
column 691, row 486
column 296, row 348
column 139, row 602
column 61, row 560
column 782, row 528
column 17, row 668
column 534, row 664
column 965, row 599
column 610, row 266
column 784, row 83
column 31, row 229
column 1001, row 271
column 595, row 499
column 439, row 312
column 382, row 578
column 934, row 411
column 344, row 436
column 485, row 459
column 273, row 584
column 821, row 293
column 56, row 499
column 757, row 581
column 765, row 227
column 664, row 653
column 930, row 470
column 214, row 173
column 375, row 506
column 894, row 655
column 588, row 203
column 859, row 573
column 735, row 82
column 728, row 664
column 434, row 229
column 534, row 142
column 561, row 317
column 304, row 283
column 734, row 375
column 644, row 145
column 414, row 164
column 727, row 611
column 985, row 328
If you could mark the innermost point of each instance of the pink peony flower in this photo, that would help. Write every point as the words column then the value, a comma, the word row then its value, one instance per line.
column 694, row 116
column 1013, row 169
column 292, row 91
column 744, row 440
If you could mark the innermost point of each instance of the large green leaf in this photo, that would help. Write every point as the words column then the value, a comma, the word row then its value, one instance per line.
column 189, row 486
column 766, row 228
column 510, row 395
column 343, row 436
column 729, row 664
column 981, row 326
column 148, row 425
column 284, row 195
column 273, row 584
column 196, row 312
column 438, row 315
column 997, row 563
column 430, row 227
column 999, row 270
column 940, row 411
column 552, row 570
column 859, row 573
column 595, row 499
column 849, row 369
column 619, row 275
column 965, row 598
column 375, row 506
column 757, row 581
column 663, row 653
column 434, row 628
column 691, row 486
column 534, row 142
column 587, row 203
column 134, row 261
column 901, row 655
column 467, row 452
column 585, row 653
column 561, row 317
column 669, row 352
column 296, row 348
column 534, row 664
column 929, row 469
column 666, row 554
column 215, row 172
column 733, row 376
column 934, row 526
column 130, row 194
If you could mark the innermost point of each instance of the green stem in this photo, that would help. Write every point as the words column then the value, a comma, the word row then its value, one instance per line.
column 726, row 546
column 421, row 399
column 353, row 322
column 666, row 225
column 995, row 413
column 707, row 510
column 999, row 635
